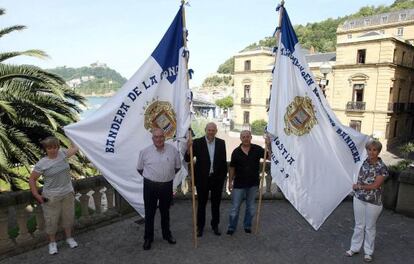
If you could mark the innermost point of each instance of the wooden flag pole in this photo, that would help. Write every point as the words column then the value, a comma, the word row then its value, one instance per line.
column 193, row 191
column 190, row 137
column 265, row 152
column 260, row 191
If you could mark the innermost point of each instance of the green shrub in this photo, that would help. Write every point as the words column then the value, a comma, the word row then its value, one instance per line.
column 258, row 127
column 400, row 166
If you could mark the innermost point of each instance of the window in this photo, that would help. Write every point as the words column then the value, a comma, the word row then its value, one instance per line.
column 361, row 56
column 247, row 65
column 400, row 31
column 394, row 134
column 351, row 24
column 403, row 16
column 384, row 19
column 366, row 22
column 355, row 124
column 402, row 58
column 398, row 96
column 412, row 127
column 358, row 93
column 247, row 91
column 394, row 59
column 387, row 130
column 246, row 117
column 349, row 36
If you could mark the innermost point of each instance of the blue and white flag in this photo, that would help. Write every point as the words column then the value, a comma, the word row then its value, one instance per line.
column 314, row 157
column 157, row 95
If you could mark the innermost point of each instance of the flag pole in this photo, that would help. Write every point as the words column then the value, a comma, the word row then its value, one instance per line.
column 266, row 150
column 260, row 191
column 190, row 137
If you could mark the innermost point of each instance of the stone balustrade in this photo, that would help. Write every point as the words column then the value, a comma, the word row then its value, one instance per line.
column 94, row 195
column 100, row 204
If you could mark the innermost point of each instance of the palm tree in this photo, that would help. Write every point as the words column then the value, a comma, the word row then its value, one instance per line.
column 33, row 104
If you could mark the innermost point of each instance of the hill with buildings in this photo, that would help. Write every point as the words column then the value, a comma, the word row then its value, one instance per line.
column 96, row 79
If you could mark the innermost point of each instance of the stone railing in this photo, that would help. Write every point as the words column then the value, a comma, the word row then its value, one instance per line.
column 98, row 204
column 97, row 200
column 269, row 191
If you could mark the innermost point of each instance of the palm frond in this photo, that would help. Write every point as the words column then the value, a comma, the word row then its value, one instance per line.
column 8, row 30
column 32, row 53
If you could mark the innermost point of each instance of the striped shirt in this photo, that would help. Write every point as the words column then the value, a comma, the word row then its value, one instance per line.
column 56, row 174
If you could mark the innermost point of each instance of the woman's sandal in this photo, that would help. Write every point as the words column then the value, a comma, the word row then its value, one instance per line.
column 350, row 253
column 367, row 258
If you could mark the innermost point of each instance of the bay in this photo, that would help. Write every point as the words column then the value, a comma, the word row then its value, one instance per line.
column 93, row 103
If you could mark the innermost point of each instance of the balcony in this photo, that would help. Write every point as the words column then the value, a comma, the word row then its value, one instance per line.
column 246, row 100
column 355, row 106
column 397, row 107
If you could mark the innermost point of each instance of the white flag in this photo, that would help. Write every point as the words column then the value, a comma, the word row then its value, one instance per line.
column 314, row 157
column 157, row 95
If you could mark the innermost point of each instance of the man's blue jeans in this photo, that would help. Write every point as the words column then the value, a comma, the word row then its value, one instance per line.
column 238, row 195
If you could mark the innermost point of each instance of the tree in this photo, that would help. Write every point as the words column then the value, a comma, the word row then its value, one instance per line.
column 227, row 67
column 225, row 103
column 33, row 104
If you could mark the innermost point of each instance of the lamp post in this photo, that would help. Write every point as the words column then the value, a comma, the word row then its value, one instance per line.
column 325, row 68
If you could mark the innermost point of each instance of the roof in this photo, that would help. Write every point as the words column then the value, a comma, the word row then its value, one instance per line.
column 376, row 20
column 321, row 57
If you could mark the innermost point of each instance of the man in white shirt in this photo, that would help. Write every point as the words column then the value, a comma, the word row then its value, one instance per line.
column 158, row 164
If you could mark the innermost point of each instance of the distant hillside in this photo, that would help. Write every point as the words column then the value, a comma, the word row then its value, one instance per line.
column 321, row 36
column 97, row 79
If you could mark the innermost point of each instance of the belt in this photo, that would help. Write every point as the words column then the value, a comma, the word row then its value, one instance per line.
column 156, row 183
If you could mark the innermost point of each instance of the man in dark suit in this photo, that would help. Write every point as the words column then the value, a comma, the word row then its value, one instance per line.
column 210, row 172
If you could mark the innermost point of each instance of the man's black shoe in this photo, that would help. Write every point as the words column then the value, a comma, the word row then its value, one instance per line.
column 199, row 233
column 147, row 244
column 216, row 231
column 230, row 232
column 247, row 230
column 170, row 239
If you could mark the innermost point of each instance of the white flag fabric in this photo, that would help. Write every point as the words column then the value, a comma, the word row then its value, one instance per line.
column 157, row 95
column 314, row 157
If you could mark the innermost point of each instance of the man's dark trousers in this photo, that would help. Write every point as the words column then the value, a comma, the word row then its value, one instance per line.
column 215, row 186
column 154, row 192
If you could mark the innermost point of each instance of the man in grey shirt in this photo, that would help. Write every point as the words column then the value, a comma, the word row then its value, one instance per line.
column 158, row 164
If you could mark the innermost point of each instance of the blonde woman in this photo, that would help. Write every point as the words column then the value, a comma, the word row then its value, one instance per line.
column 57, row 198
column 368, row 201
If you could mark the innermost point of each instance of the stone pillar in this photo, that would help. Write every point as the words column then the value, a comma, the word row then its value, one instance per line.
column 22, row 217
column 5, row 242
column 109, row 192
column 84, row 201
column 405, row 200
column 40, row 221
column 97, row 199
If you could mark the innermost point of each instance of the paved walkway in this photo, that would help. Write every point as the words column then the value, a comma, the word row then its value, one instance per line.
column 285, row 237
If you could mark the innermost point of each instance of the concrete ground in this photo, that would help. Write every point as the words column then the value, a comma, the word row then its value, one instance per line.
column 284, row 237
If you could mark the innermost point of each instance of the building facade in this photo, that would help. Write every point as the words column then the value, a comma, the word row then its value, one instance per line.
column 370, row 87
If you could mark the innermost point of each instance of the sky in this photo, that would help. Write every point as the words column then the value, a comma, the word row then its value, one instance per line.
column 123, row 33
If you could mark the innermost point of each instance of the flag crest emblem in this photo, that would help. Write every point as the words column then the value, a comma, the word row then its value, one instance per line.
column 160, row 114
column 300, row 116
